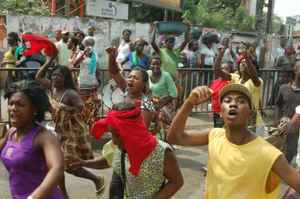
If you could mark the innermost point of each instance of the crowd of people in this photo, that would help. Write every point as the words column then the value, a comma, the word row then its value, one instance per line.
column 145, row 125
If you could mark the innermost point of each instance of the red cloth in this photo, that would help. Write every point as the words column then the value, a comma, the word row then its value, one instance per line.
column 38, row 43
column 135, row 137
column 217, row 86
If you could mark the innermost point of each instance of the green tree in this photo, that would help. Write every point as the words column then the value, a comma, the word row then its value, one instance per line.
column 36, row 7
column 222, row 18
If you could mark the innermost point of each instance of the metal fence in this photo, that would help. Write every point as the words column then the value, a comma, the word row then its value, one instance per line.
column 187, row 80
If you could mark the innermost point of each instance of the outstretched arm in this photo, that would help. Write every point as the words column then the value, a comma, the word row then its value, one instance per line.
column 97, row 163
column 114, row 69
column 287, row 173
column 55, row 164
column 186, row 39
column 40, row 75
column 153, row 43
column 252, row 71
column 173, row 176
column 176, row 134
column 217, row 67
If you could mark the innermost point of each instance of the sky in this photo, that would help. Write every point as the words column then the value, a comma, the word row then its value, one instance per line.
column 284, row 8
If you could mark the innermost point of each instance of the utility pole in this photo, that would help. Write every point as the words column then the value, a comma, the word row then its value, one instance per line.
column 269, row 16
column 165, row 15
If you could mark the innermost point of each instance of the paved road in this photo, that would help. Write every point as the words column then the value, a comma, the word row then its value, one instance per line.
column 190, row 160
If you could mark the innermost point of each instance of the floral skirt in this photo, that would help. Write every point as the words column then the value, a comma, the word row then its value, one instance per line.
column 92, row 104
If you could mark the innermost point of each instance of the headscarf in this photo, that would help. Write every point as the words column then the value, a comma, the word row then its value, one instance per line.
column 131, row 128
column 39, row 43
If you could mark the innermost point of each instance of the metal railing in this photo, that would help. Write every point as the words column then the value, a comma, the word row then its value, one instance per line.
column 187, row 80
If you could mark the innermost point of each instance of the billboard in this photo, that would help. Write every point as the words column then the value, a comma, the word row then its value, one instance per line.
column 107, row 9
column 168, row 4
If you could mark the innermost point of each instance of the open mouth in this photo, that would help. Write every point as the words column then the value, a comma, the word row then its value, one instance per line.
column 130, row 85
column 232, row 113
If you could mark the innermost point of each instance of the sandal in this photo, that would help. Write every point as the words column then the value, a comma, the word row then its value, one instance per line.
column 101, row 188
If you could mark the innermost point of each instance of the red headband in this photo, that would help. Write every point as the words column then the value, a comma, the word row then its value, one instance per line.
column 137, row 141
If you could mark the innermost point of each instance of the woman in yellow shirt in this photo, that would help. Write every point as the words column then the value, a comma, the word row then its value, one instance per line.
column 241, row 165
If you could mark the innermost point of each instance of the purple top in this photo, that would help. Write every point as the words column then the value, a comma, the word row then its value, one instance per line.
column 26, row 166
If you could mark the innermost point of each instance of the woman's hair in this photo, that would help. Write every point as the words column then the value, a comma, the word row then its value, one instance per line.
column 79, row 33
column 145, row 77
column 14, row 36
column 68, row 79
column 126, row 30
column 155, row 57
column 74, row 40
column 36, row 95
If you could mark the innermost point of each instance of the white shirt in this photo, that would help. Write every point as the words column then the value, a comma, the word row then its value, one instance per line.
column 123, row 52
column 63, row 53
column 209, row 55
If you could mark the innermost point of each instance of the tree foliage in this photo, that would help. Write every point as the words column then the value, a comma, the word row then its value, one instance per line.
column 221, row 17
column 36, row 7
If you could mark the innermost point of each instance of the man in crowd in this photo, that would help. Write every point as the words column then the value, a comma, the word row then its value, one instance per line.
column 170, row 57
column 287, row 99
column 124, row 49
column 63, row 51
column 247, row 76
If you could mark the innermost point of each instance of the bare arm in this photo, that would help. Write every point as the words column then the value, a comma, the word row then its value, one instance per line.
column 199, row 61
column 148, row 117
column 97, row 163
column 55, row 164
column 252, row 72
column 278, row 107
column 40, row 75
column 176, row 134
column 114, row 69
column 294, row 124
column 202, row 60
column 287, row 173
column 217, row 67
column 153, row 43
column 81, row 57
column 173, row 176
column 3, row 137
column 186, row 39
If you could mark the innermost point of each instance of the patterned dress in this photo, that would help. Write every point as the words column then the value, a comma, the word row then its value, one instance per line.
column 150, row 179
column 72, row 131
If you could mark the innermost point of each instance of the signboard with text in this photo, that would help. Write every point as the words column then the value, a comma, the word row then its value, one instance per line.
column 168, row 4
column 107, row 9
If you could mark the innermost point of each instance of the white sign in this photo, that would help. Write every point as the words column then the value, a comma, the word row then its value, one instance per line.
column 107, row 9
column 168, row 4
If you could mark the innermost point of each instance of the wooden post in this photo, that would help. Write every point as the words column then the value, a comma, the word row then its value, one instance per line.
column 53, row 7
column 82, row 7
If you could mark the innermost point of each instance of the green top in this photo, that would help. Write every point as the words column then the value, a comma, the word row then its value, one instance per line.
column 164, row 87
column 170, row 60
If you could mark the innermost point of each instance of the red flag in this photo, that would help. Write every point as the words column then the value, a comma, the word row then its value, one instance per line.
column 39, row 43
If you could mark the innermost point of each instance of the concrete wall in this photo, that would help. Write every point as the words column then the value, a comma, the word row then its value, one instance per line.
column 106, row 30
